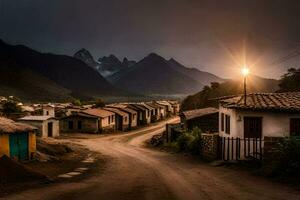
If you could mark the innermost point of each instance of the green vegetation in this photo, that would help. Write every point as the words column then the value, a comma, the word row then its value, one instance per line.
column 189, row 141
column 285, row 165
column 10, row 107
column 76, row 102
column 99, row 104
column 204, row 98
column 289, row 82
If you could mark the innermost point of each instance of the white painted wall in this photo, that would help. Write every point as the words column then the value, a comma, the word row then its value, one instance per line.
column 273, row 124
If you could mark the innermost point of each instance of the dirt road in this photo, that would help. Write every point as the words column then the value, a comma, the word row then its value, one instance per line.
column 136, row 172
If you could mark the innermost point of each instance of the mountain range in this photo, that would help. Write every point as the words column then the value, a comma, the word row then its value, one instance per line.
column 56, row 76
column 35, row 76
column 153, row 75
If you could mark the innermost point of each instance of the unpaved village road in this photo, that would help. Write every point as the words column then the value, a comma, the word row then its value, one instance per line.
column 136, row 172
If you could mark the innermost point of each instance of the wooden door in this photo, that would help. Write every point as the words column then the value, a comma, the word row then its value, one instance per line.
column 252, row 127
column 295, row 127
column 18, row 146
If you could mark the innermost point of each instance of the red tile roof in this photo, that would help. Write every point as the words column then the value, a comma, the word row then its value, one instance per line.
column 265, row 101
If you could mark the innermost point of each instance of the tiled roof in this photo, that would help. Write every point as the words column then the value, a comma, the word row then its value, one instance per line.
column 265, row 101
column 117, row 111
column 191, row 114
column 98, row 112
column 35, row 118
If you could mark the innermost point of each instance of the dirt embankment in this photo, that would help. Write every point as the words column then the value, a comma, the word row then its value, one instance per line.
column 52, row 159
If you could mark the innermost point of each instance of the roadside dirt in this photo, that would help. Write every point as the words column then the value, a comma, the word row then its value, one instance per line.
column 136, row 172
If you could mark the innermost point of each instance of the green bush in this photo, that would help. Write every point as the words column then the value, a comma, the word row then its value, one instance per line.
column 190, row 141
column 286, row 164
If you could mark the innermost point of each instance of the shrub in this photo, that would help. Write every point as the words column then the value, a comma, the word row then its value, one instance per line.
column 286, row 164
column 10, row 107
column 190, row 141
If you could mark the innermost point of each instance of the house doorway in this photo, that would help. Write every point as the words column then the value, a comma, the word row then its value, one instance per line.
column 295, row 127
column 252, row 127
column 18, row 146
column 50, row 129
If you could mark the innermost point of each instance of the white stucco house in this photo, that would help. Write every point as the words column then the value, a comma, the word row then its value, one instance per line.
column 261, row 115
column 47, row 125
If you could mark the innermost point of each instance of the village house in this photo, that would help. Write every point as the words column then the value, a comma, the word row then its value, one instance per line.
column 133, row 114
column 207, row 119
column 144, row 116
column 169, row 107
column 162, row 110
column 155, row 113
column 88, row 121
column 176, row 107
column 261, row 115
column 17, row 140
column 150, row 110
column 121, row 119
column 47, row 125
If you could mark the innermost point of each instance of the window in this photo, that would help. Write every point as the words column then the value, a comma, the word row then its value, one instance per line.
column 222, row 121
column 295, row 127
column 70, row 124
column 108, row 119
column 125, row 119
column 112, row 118
column 252, row 127
column 79, row 125
column 47, row 112
column 227, row 122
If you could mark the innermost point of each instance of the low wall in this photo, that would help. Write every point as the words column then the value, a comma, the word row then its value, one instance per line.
column 210, row 144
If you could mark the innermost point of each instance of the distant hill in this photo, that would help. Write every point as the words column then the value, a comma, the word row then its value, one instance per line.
column 231, row 87
column 204, row 78
column 109, row 65
column 68, row 75
column 155, row 75
column 85, row 56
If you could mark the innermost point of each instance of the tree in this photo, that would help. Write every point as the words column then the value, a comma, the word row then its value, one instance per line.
column 76, row 102
column 99, row 103
column 10, row 107
column 290, row 82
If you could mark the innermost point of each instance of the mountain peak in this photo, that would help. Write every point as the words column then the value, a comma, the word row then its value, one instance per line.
column 85, row 56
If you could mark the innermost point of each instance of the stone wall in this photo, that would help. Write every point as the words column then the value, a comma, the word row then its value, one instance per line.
column 271, row 146
column 210, row 144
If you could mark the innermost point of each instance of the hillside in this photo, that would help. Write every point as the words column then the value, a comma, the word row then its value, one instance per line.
column 204, row 78
column 232, row 87
column 30, row 86
column 65, row 72
column 155, row 75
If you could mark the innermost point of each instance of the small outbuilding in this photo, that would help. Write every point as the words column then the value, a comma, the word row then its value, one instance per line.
column 17, row 140
column 207, row 119
column 47, row 125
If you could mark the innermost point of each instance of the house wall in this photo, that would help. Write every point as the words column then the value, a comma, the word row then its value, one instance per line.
column 49, row 111
column 43, row 127
column 273, row 124
column 32, row 144
column 134, row 120
column 4, row 144
column 105, row 126
column 89, row 125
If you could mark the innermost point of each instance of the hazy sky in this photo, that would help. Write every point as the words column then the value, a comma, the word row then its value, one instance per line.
column 215, row 36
